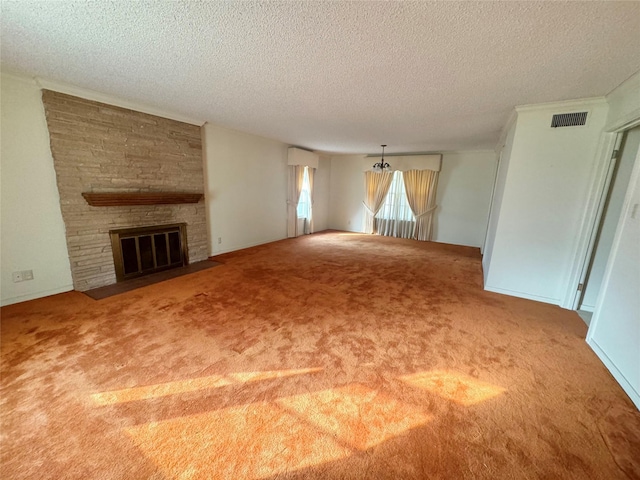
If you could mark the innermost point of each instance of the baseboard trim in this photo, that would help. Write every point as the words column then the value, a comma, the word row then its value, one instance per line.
column 515, row 293
column 35, row 295
column 617, row 374
column 243, row 246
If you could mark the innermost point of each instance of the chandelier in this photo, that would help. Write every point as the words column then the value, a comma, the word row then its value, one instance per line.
column 381, row 165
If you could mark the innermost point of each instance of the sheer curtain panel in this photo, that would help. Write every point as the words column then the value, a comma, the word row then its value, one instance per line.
column 421, row 186
column 311, row 174
column 376, row 186
column 395, row 218
column 294, row 187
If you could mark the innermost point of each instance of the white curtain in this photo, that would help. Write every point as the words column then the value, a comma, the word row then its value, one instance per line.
column 310, row 174
column 376, row 186
column 395, row 217
column 421, row 188
column 294, row 187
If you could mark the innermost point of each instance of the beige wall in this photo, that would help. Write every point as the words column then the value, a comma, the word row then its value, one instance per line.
column 32, row 231
column 322, row 194
column 463, row 197
column 347, row 193
column 246, row 182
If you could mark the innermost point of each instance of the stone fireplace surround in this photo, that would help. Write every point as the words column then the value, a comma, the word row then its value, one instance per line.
column 99, row 148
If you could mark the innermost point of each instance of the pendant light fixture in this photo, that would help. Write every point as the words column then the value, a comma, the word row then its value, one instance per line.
column 381, row 165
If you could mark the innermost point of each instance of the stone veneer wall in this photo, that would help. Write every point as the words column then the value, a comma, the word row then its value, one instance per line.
column 101, row 148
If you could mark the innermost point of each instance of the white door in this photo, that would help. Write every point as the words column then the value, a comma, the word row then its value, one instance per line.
column 614, row 333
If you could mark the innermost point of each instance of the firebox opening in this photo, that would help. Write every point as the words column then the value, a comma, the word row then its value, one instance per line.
column 144, row 250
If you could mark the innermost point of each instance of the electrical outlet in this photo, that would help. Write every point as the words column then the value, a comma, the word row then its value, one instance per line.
column 219, row 240
column 22, row 276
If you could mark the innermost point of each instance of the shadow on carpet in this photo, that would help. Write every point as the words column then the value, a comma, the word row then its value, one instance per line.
column 135, row 283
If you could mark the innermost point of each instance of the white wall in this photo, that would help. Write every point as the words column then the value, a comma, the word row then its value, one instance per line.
column 545, row 189
column 321, row 194
column 611, row 216
column 498, row 195
column 464, row 193
column 347, row 193
column 245, row 189
column 32, row 233
column 614, row 332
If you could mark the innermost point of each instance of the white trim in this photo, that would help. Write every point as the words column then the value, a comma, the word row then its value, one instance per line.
column 18, row 77
column 247, row 245
column 113, row 100
column 244, row 132
column 515, row 293
column 493, row 196
column 502, row 140
column 627, row 86
column 584, row 242
column 617, row 374
column 578, row 103
column 298, row 156
column 36, row 295
column 629, row 121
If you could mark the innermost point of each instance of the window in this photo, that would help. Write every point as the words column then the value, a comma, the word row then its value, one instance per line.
column 395, row 218
column 304, row 203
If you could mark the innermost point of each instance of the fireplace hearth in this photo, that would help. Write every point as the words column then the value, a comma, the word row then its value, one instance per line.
column 145, row 250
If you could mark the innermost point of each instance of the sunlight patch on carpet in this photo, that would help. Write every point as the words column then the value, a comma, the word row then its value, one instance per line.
column 266, row 439
column 454, row 386
column 147, row 392
column 360, row 417
column 252, row 441
column 269, row 375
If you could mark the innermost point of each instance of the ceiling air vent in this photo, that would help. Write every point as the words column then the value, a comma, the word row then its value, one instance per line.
column 569, row 119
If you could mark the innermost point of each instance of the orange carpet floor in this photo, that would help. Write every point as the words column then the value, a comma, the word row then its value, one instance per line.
column 330, row 356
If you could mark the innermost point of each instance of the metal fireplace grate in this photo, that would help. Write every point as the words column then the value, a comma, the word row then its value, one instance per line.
column 143, row 250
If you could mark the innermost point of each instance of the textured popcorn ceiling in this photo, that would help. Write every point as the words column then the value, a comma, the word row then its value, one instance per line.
column 333, row 76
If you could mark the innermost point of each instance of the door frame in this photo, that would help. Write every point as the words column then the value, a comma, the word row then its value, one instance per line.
column 620, row 377
column 596, row 197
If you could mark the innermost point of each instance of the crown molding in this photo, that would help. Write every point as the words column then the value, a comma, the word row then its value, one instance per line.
column 629, row 85
column 113, row 100
column 577, row 103
column 17, row 76
column 630, row 120
column 502, row 139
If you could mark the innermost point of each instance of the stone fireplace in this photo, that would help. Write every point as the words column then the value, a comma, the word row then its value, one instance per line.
column 119, row 170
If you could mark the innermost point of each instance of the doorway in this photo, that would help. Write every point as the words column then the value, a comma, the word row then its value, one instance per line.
column 613, row 203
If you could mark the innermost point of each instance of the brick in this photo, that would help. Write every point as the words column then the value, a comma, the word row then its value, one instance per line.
column 101, row 148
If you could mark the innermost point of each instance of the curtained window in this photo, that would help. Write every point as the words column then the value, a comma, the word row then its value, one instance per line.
column 395, row 217
column 304, row 202
column 376, row 186
column 294, row 188
column 421, row 188
column 401, row 204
